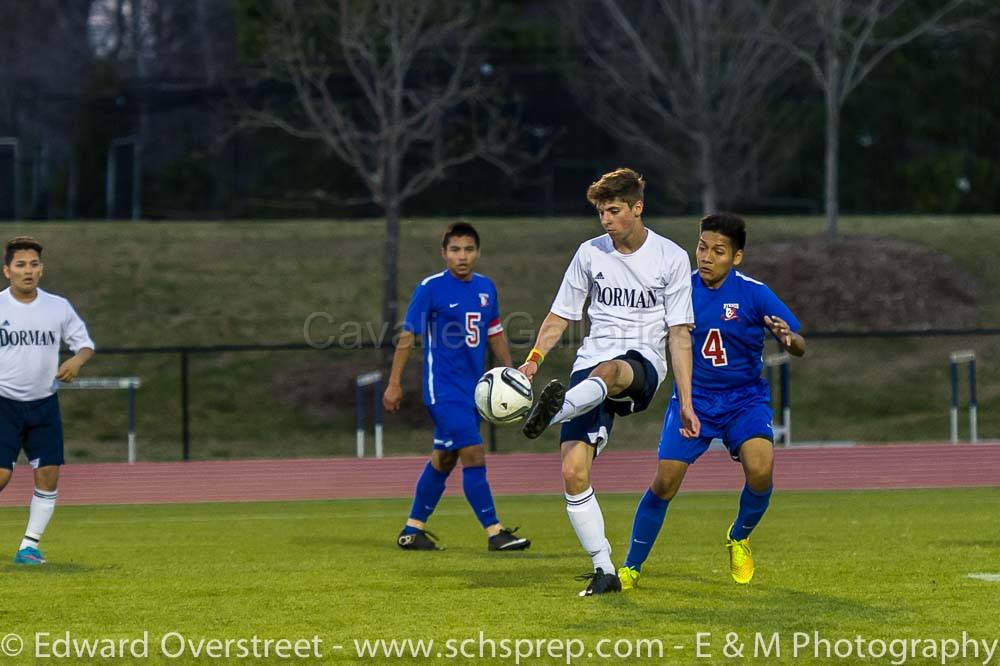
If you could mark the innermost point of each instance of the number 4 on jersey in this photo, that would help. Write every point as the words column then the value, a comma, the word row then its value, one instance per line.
column 713, row 349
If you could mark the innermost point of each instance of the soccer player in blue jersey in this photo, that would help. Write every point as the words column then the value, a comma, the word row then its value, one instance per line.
column 733, row 315
column 457, row 312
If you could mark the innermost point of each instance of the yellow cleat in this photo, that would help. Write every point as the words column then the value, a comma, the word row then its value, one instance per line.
column 740, row 559
column 629, row 578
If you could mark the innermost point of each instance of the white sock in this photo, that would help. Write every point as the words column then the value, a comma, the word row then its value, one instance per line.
column 582, row 398
column 588, row 523
column 43, row 503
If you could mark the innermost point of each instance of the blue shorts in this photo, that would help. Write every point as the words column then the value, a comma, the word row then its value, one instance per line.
column 732, row 416
column 34, row 425
column 594, row 427
column 456, row 425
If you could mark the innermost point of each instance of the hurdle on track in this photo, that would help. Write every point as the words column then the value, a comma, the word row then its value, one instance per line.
column 782, row 429
column 959, row 358
column 364, row 380
column 127, row 383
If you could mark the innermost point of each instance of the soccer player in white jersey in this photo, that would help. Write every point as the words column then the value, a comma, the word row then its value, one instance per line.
column 32, row 325
column 640, row 302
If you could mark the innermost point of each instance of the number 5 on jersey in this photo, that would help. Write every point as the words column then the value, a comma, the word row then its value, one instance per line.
column 472, row 328
column 713, row 349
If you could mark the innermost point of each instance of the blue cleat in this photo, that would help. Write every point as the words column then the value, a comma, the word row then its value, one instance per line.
column 30, row 556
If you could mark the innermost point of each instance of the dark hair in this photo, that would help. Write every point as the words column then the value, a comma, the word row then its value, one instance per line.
column 729, row 225
column 20, row 243
column 624, row 184
column 459, row 229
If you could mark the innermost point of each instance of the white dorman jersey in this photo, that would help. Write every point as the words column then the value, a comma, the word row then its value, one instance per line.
column 634, row 298
column 30, row 334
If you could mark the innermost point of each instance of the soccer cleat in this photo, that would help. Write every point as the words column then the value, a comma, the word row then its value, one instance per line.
column 600, row 583
column 505, row 540
column 30, row 556
column 629, row 578
column 550, row 401
column 422, row 540
column 740, row 558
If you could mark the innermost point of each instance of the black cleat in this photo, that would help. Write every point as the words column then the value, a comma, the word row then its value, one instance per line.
column 422, row 540
column 600, row 583
column 550, row 401
column 506, row 540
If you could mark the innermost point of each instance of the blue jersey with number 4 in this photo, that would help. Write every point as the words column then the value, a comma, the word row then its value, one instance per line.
column 729, row 334
column 455, row 317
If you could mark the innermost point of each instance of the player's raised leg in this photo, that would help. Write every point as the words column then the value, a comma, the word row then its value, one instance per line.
column 557, row 405
column 757, row 458
column 586, row 517
column 480, row 497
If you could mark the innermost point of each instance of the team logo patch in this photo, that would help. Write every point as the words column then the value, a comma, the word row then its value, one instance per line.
column 484, row 300
column 730, row 312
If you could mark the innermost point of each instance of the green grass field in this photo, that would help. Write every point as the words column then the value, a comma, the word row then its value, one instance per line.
column 879, row 564
column 153, row 284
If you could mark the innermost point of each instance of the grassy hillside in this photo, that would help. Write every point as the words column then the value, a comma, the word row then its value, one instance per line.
column 153, row 284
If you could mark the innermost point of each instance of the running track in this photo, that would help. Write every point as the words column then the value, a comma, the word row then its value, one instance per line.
column 818, row 468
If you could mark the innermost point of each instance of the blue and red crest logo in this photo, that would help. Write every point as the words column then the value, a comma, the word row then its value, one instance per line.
column 730, row 312
column 484, row 300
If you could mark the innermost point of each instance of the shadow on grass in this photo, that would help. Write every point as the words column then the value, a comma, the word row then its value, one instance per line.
column 968, row 543
column 54, row 568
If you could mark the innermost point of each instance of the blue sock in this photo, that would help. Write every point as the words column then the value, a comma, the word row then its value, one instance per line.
column 752, row 508
column 646, row 526
column 430, row 487
column 477, row 491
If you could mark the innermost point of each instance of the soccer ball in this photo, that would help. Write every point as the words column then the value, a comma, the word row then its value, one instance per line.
column 503, row 395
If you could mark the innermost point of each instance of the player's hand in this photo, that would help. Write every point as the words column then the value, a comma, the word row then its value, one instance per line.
column 530, row 369
column 69, row 370
column 690, row 425
column 780, row 328
column 392, row 397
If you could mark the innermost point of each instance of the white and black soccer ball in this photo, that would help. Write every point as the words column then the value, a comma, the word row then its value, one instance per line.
column 503, row 395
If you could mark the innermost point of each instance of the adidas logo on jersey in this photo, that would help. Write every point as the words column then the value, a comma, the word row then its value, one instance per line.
column 599, row 276
column 5, row 323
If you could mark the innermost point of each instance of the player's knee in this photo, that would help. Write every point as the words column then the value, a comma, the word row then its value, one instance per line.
column 473, row 456
column 665, row 487
column 760, row 479
column 576, row 478
column 608, row 371
column 444, row 461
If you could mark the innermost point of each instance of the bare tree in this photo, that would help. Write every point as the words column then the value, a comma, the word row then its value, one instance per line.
column 391, row 88
column 841, row 42
column 686, row 82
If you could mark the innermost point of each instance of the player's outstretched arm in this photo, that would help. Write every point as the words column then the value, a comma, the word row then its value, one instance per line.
column 70, row 368
column 548, row 336
column 394, row 390
column 679, row 344
column 793, row 343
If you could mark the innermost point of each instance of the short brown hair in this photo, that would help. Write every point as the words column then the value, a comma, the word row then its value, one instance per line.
column 20, row 243
column 624, row 184
column 458, row 229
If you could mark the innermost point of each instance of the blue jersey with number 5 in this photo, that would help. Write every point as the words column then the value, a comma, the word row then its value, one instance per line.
column 455, row 317
column 729, row 334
